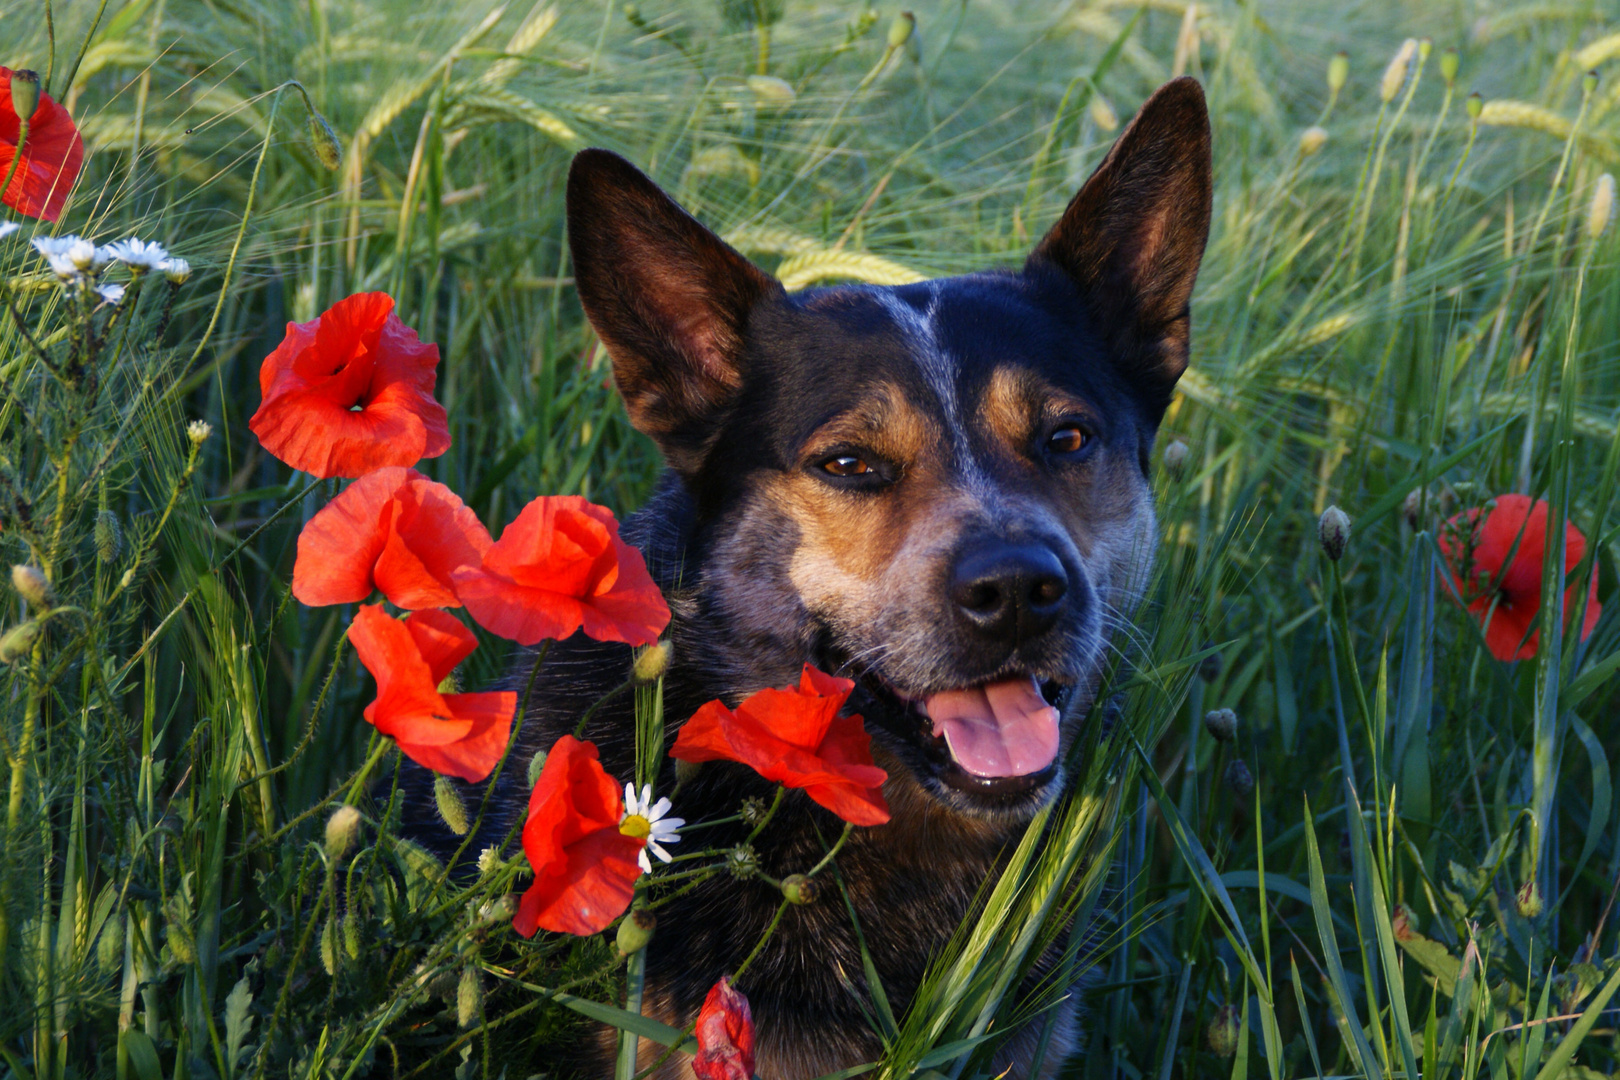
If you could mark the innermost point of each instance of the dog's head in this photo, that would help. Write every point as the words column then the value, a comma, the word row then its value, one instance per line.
column 938, row 489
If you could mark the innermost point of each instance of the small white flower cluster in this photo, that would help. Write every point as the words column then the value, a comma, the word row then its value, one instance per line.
column 78, row 262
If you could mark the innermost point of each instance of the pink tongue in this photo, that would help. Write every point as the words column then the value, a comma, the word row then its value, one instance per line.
column 1001, row 729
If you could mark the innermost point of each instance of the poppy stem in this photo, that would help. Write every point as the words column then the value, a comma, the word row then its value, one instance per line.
column 766, row 820
column 382, row 747
column 579, row 729
column 736, row 976
column 849, row 827
column 17, row 155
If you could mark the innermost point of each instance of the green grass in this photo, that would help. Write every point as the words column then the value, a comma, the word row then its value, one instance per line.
column 1416, row 304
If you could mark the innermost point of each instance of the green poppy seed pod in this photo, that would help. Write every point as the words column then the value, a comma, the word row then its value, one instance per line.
column 1450, row 60
column 1311, row 141
column 771, row 92
column 1239, row 778
column 1224, row 1030
column 1175, row 456
column 536, row 763
column 1475, row 105
column 685, row 771
column 1334, row 532
column 901, row 29
column 652, row 662
column 1589, row 82
column 742, row 862
column 1102, row 113
column 1601, row 209
column 1528, row 900
column 340, row 830
column 329, row 948
column 753, row 811
column 469, row 997
column 32, row 586
column 1221, row 723
column 798, row 889
column 327, row 148
column 25, row 93
column 451, row 808
column 1395, row 74
column 16, row 642
column 1338, row 71
column 635, row 930
column 1424, row 48
column 109, row 536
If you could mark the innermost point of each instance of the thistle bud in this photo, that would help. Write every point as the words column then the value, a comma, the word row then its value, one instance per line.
column 1528, row 900
column 1239, row 778
column 327, row 148
column 340, row 830
column 1395, row 74
column 1334, row 532
column 1175, row 456
column 25, row 93
column 1338, row 72
column 1475, row 105
column 1102, row 113
column 771, row 92
column 901, row 29
column 652, row 662
column 536, row 763
column 635, row 930
column 109, row 536
column 16, row 642
column 1601, row 209
column 198, row 432
column 469, row 997
column 1311, row 141
column 1221, row 723
column 1224, row 1030
column 798, row 889
column 1449, row 62
column 32, row 586
column 451, row 808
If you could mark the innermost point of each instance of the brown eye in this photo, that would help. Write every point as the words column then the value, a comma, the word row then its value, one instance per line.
column 1068, row 439
column 844, row 465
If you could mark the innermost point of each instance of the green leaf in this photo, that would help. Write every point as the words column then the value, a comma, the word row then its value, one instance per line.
column 635, row 1023
column 1360, row 1050
column 238, row 1022
column 142, row 1055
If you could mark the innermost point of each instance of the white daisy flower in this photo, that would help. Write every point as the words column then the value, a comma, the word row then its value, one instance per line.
column 68, row 255
column 55, row 245
column 112, row 294
column 139, row 255
column 647, row 822
column 7, row 228
column 176, row 270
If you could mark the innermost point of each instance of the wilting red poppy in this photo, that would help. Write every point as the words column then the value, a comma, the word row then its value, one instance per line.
column 459, row 734
column 351, row 391
column 1505, row 596
column 796, row 738
column 51, row 156
column 585, row 869
column 725, row 1035
column 393, row 530
column 561, row 567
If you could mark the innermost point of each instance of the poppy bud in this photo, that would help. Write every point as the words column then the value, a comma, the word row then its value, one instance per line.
column 1528, row 900
column 1601, row 209
column 1334, row 532
column 329, row 951
column 536, row 763
column 635, row 930
column 685, row 771
column 25, row 93
column 1175, row 456
column 198, row 431
column 798, row 889
column 1424, row 48
column 1311, row 141
column 16, row 642
column 1395, row 74
column 1338, row 72
column 340, row 830
column 469, row 997
column 32, row 586
column 1102, row 113
column 1209, row 668
column 1224, row 1030
column 1589, row 82
column 1221, row 723
column 351, row 936
column 109, row 537
column 771, row 92
column 1449, row 61
column 451, row 808
column 742, row 861
column 900, row 30
column 652, row 662
column 327, row 148
column 1239, row 778
column 725, row 1035
column 1475, row 105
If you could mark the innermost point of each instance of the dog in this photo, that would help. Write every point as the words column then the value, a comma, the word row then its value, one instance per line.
column 939, row 490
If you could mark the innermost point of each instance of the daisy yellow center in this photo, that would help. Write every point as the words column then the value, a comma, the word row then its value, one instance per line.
column 637, row 826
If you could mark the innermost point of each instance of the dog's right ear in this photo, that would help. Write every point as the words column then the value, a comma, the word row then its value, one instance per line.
column 668, row 298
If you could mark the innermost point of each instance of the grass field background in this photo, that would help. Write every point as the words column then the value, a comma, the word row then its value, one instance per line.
column 1422, row 876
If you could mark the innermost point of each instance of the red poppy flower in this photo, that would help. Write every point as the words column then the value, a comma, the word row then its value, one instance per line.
column 561, row 567
column 725, row 1035
column 585, row 869
column 459, row 734
column 394, row 530
column 351, row 391
column 1505, row 596
column 796, row 738
column 51, row 156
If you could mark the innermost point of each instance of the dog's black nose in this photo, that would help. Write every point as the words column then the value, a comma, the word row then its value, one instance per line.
column 1010, row 591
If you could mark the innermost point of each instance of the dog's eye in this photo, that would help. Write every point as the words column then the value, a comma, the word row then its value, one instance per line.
column 845, row 465
column 1068, row 439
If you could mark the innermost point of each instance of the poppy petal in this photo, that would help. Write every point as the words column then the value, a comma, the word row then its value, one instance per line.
column 51, row 156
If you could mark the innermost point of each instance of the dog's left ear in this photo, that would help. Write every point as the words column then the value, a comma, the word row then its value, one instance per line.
column 1132, row 238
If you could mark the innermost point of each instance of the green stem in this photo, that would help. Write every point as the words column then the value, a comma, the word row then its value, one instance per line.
column 579, row 729
column 17, row 155
column 84, row 47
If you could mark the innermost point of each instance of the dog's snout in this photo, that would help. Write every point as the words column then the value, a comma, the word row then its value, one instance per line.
column 1010, row 592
